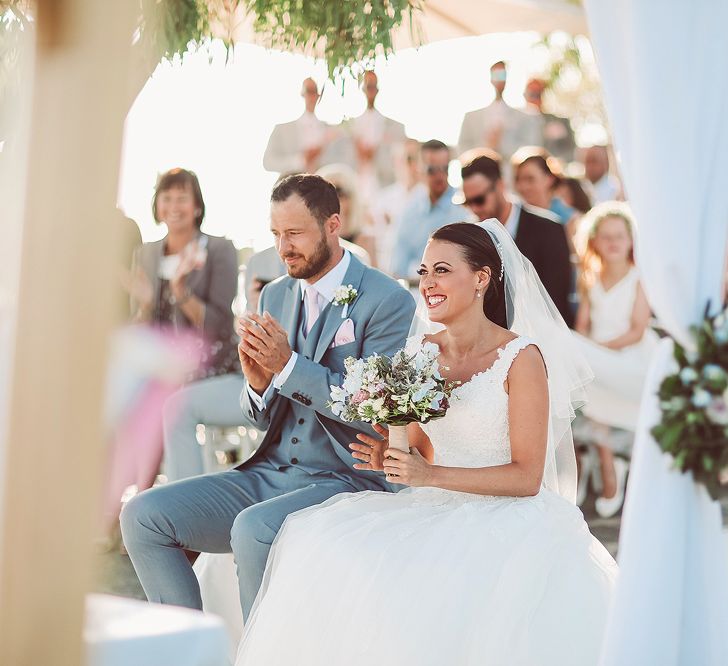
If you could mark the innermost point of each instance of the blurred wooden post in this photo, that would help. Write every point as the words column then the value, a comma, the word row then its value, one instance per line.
column 66, row 309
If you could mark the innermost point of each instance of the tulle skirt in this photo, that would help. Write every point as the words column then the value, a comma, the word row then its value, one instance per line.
column 430, row 577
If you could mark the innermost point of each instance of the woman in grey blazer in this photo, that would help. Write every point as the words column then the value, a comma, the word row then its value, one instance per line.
column 188, row 280
column 185, row 282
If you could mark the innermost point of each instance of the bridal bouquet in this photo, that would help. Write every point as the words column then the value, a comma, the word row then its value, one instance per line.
column 406, row 388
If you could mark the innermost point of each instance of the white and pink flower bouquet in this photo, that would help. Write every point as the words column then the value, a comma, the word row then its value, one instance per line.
column 405, row 388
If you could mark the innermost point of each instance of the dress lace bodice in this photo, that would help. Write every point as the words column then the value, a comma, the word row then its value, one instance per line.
column 474, row 432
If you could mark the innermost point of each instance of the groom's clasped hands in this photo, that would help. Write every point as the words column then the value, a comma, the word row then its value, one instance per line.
column 409, row 469
column 264, row 349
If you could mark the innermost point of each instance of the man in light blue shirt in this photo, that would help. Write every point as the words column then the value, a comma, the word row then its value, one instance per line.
column 427, row 210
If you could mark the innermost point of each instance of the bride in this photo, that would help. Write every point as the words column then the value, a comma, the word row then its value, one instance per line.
column 483, row 558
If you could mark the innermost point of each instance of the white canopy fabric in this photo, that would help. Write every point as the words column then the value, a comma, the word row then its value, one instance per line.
column 666, row 92
column 449, row 19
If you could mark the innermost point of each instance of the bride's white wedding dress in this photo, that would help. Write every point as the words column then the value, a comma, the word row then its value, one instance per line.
column 433, row 577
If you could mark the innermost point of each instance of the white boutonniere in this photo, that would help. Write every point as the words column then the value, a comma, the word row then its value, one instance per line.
column 344, row 295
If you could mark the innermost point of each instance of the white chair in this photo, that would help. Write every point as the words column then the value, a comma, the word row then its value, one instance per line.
column 120, row 631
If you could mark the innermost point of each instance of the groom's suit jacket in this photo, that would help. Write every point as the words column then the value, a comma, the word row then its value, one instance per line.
column 301, row 430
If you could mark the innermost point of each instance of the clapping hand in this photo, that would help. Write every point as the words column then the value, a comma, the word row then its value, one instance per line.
column 258, row 377
column 190, row 260
column 371, row 450
column 139, row 288
column 264, row 341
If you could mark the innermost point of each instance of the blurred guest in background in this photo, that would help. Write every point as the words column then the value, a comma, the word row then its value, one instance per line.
column 539, row 238
column 260, row 269
column 573, row 194
column 355, row 227
column 604, row 186
column 498, row 126
column 557, row 137
column 307, row 143
column 188, row 280
column 426, row 210
column 130, row 238
column 613, row 317
column 536, row 179
column 388, row 205
column 375, row 138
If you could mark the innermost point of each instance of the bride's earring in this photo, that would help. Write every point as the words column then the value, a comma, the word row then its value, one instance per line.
column 477, row 294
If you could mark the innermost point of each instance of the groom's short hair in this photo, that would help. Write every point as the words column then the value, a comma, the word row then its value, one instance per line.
column 485, row 162
column 318, row 194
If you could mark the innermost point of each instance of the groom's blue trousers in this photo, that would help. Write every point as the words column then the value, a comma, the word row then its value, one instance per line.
column 238, row 510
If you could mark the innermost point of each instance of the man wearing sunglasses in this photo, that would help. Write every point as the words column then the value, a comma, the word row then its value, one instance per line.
column 541, row 239
column 427, row 209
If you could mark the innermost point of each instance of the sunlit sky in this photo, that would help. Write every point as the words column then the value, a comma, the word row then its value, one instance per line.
column 215, row 117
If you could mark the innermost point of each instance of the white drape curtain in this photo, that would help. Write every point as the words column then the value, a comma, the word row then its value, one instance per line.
column 663, row 68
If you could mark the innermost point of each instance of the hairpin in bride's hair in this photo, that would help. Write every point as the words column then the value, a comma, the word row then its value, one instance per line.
column 499, row 248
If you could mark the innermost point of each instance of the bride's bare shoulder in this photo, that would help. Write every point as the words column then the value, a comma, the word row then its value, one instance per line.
column 528, row 365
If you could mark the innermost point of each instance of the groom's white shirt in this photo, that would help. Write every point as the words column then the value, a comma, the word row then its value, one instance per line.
column 325, row 288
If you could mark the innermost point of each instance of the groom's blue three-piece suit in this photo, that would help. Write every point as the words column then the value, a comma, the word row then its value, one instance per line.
column 303, row 459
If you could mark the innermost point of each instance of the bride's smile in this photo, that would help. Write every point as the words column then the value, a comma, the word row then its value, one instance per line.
column 448, row 286
column 433, row 300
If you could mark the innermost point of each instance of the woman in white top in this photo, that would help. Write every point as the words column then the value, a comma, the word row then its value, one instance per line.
column 613, row 319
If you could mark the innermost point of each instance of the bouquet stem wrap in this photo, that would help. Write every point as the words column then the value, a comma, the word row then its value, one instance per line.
column 398, row 437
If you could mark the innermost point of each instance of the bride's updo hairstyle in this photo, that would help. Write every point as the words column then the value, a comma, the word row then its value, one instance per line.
column 479, row 252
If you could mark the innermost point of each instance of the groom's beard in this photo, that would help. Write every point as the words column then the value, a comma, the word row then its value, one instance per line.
column 314, row 264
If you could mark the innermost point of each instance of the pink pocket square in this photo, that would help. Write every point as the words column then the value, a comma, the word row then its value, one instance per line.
column 345, row 334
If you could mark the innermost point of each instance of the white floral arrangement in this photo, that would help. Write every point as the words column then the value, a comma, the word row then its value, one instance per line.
column 344, row 295
column 694, row 405
column 395, row 391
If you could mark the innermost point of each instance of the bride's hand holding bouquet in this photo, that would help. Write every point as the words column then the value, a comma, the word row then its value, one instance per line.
column 407, row 388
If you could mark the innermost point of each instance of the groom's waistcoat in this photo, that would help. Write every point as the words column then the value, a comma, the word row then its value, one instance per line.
column 303, row 442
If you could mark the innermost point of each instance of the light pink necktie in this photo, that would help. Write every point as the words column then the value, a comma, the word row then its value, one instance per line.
column 312, row 308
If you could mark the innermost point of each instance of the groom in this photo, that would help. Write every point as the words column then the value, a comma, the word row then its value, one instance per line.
column 291, row 353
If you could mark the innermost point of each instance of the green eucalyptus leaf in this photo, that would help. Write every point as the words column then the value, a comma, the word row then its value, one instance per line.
column 680, row 459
